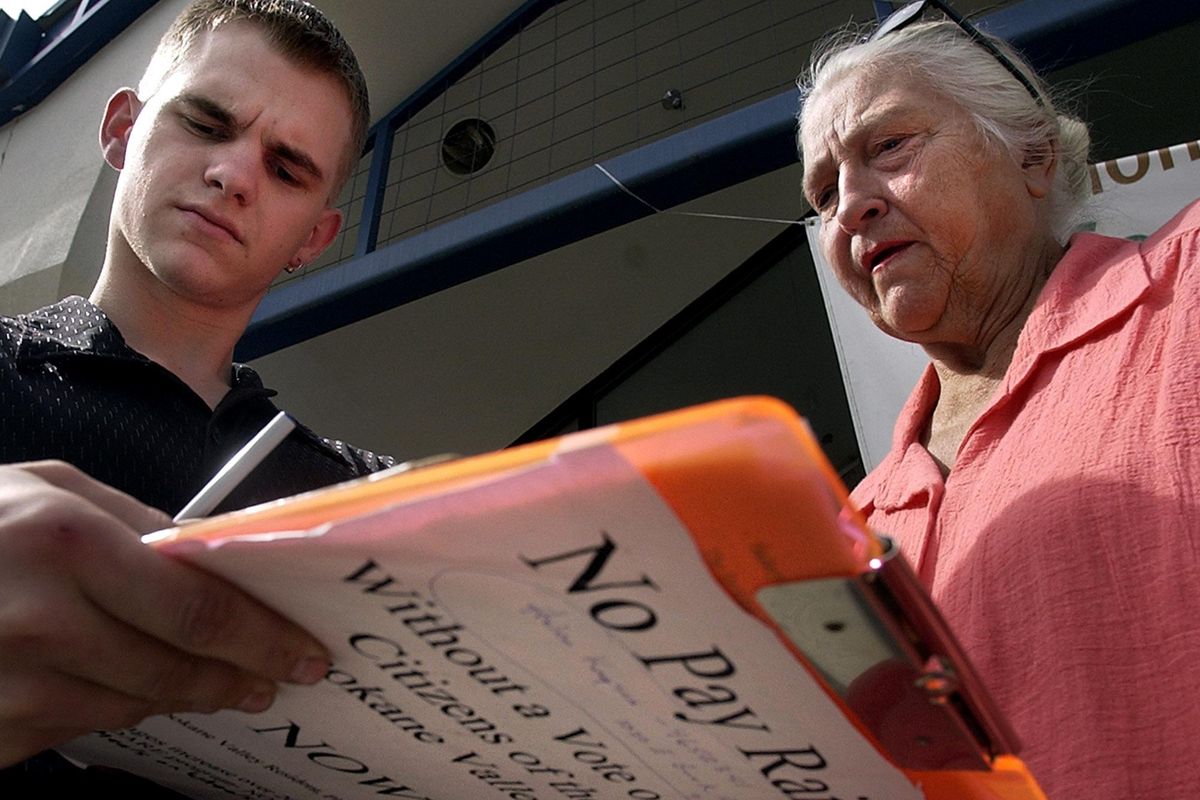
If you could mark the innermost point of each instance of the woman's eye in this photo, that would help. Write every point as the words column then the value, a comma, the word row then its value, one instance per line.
column 891, row 144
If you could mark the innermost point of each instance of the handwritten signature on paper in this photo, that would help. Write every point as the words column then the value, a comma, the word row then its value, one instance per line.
column 550, row 619
column 596, row 664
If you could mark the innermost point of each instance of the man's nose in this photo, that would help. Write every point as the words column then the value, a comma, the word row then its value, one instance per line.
column 233, row 170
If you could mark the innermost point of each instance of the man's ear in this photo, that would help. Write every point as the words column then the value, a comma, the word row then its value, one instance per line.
column 1039, row 170
column 321, row 235
column 119, row 115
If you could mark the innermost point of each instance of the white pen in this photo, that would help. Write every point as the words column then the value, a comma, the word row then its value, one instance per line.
column 238, row 467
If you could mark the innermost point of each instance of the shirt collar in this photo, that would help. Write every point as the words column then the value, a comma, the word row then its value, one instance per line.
column 1098, row 279
column 74, row 327
column 907, row 473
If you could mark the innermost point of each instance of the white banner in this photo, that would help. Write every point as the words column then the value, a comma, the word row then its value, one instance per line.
column 1134, row 196
column 877, row 370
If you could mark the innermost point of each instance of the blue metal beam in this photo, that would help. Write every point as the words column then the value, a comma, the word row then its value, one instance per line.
column 384, row 131
column 741, row 145
column 690, row 164
column 466, row 61
column 59, row 57
column 380, row 145
column 1057, row 33
column 20, row 39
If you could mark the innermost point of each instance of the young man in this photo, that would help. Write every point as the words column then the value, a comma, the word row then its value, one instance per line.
column 231, row 153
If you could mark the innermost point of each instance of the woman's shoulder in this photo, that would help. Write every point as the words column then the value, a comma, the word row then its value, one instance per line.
column 1184, row 224
column 1171, row 255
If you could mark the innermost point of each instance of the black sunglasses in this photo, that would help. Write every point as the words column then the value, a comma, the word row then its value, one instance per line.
column 912, row 12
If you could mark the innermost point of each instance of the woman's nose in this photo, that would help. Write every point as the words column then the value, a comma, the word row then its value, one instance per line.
column 859, row 200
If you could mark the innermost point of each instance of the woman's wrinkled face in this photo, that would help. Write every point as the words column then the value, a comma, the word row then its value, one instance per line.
column 923, row 219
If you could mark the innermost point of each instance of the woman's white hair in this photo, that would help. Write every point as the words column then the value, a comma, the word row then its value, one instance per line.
column 942, row 56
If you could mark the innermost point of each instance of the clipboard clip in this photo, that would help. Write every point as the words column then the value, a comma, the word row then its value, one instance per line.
column 881, row 644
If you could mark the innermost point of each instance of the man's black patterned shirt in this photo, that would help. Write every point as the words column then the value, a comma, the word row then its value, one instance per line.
column 73, row 390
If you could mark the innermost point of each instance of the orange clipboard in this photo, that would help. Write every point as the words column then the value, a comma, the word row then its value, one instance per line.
column 771, row 521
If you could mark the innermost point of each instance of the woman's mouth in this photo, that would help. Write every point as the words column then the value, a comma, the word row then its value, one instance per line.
column 878, row 257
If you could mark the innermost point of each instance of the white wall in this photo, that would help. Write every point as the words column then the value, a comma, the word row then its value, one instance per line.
column 50, row 168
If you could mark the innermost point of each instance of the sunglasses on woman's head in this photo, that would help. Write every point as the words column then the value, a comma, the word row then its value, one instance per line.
column 912, row 12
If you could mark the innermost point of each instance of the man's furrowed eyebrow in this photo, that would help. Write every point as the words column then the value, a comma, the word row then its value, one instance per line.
column 222, row 116
column 298, row 158
column 208, row 107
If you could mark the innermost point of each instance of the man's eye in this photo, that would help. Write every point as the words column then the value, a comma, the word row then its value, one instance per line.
column 202, row 128
column 286, row 175
column 824, row 199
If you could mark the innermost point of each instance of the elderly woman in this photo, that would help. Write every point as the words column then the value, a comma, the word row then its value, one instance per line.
column 1043, row 475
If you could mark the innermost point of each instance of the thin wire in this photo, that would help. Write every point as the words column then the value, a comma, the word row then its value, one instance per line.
column 701, row 214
